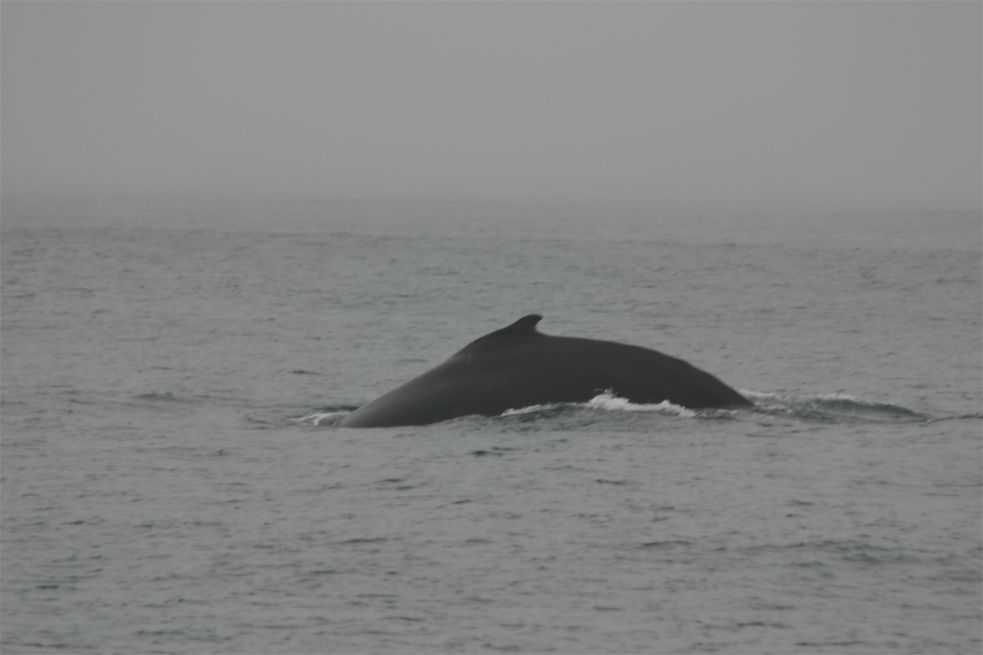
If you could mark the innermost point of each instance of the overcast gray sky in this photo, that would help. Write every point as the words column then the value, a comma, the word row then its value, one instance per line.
column 839, row 104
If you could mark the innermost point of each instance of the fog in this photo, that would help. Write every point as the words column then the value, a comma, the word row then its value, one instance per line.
column 825, row 104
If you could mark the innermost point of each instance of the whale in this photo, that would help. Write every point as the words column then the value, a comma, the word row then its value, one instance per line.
column 517, row 366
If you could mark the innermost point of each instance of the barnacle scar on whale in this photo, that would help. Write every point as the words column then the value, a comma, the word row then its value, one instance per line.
column 517, row 366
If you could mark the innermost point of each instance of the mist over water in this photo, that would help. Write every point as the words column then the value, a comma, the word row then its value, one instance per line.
column 749, row 106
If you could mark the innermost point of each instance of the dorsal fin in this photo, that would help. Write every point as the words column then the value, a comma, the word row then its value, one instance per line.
column 524, row 327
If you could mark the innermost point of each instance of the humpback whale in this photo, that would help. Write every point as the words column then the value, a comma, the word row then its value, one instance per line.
column 517, row 366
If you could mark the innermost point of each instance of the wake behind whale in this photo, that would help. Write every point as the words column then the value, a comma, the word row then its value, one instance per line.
column 517, row 366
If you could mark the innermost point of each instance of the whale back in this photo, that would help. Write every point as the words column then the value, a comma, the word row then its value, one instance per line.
column 517, row 366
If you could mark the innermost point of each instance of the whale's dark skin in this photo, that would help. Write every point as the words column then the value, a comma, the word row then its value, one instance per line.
column 518, row 367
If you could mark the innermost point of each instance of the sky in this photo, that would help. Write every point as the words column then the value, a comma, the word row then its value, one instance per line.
column 749, row 104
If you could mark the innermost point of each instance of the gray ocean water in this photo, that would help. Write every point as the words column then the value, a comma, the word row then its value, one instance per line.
column 174, row 481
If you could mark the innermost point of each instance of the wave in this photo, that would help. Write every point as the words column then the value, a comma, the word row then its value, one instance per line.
column 835, row 407
column 605, row 401
column 823, row 408
column 829, row 407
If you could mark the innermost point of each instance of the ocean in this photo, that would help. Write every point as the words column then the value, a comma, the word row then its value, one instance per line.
column 174, row 479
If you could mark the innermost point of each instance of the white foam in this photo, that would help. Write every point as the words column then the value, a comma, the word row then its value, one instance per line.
column 531, row 409
column 839, row 396
column 319, row 418
column 609, row 402
column 758, row 396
